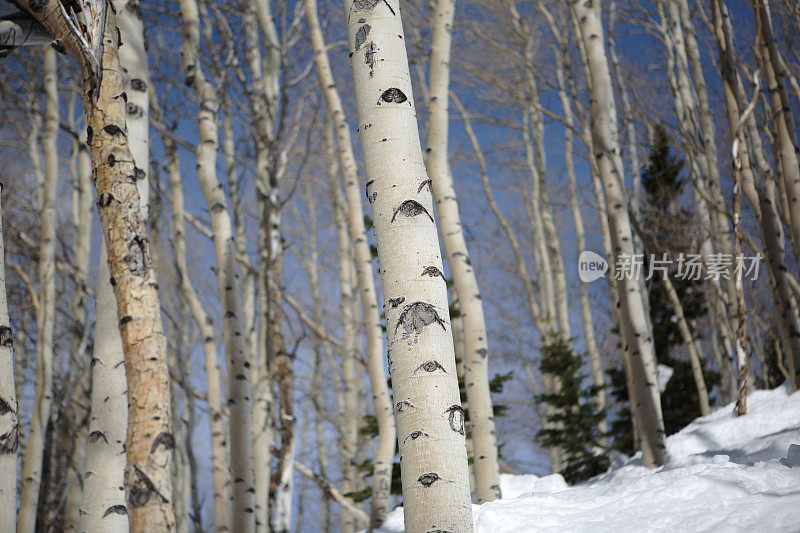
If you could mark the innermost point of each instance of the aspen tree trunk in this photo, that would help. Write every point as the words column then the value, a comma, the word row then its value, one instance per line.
column 219, row 441
column 595, row 363
column 9, row 410
column 103, row 502
column 476, row 347
column 149, row 442
column 381, row 401
column 45, row 316
column 429, row 417
column 346, row 295
column 692, row 346
column 82, row 213
column 763, row 200
column 606, row 147
column 705, row 177
column 228, row 284
column 783, row 121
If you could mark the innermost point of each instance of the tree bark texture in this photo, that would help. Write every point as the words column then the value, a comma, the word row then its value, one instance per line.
column 428, row 414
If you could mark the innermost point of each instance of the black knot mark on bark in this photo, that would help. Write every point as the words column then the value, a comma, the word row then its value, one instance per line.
column 482, row 352
column 394, row 302
column 456, row 418
column 428, row 479
column 6, row 337
column 133, row 110
column 105, row 199
column 370, row 197
column 138, row 85
column 141, row 488
column 400, row 407
column 432, row 271
column 165, row 439
column 5, row 408
column 137, row 257
column 467, row 260
column 393, row 95
column 139, row 174
column 9, row 441
column 422, row 185
column 361, row 35
column 37, row 5
column 124, row 320
column 111, row 160
column 89, row 134
column 113, row 129
column 410, row 209
column 363, row 5
column 95, row 436
column 116, row 509
column 430, row 366
column 414, row 435
column 416, row 316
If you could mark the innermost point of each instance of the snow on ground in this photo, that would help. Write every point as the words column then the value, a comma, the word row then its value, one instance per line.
column 725, row 473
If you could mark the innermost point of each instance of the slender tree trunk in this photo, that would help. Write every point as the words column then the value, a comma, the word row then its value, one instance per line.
column 228, row 284
column 429, row 417
column 783, row 121
column 606, row 146
column 9, row 410
column 382, row 405
column 45, row 316
column 219, row 441
column 476, row 347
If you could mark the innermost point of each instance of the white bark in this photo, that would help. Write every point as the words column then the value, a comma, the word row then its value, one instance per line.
column 384, row 454
column 606, row 151
column 429, row 417
column 476, row 348
column 9, row 408
column 45, row 316
column 103, row 506
column 229, row 287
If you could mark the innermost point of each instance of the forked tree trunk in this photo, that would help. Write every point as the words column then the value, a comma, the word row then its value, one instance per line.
column 607, row 153
column 428, row 413
column 9, row 413
column 149, row 442
column 382, row 405
column 476, row 347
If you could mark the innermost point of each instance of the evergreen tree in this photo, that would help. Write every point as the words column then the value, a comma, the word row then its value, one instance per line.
column 575, row 418
column 669, row 228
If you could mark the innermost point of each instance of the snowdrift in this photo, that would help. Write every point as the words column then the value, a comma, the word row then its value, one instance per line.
column 725, row 473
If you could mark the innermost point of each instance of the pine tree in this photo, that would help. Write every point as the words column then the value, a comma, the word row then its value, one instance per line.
column 666, row 226
column 576, row 417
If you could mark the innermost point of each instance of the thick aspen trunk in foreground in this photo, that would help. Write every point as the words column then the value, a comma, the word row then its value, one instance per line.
column 607, row 153
column 105, row 460
column 476, row 347
column 9, row 414
column 149, row 441
column 45, row 316
column 428, row 413
column 382, row 404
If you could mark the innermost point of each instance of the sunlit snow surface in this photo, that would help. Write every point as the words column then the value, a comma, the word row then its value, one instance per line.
column 725, row 473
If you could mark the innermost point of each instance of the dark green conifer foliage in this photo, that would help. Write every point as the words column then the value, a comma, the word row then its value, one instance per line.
column 575, row 415
column 669, row 228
